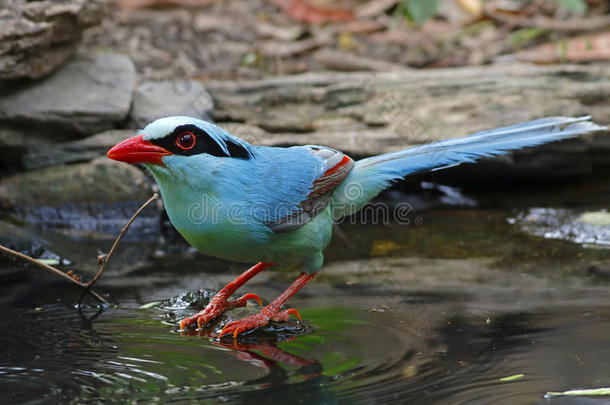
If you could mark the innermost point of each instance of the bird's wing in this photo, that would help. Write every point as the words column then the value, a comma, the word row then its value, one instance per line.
column 335, row 168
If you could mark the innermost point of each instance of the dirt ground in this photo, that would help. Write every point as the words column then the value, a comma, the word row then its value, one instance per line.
column 251, row 39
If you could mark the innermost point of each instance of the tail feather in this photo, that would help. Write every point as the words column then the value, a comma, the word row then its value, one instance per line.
column 370, row 176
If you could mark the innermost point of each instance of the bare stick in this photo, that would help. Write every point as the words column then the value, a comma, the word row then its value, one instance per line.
column 105, row 259
column 52, row 270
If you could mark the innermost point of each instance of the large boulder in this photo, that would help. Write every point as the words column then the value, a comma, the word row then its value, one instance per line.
column 92, row 199
column 158, row 99
column 91, row 93
column 36, row 37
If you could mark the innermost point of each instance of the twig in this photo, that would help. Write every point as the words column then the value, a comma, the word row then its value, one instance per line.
column 53, row 270
column 105, row 259
column 85, row 287
column 547, row 23
column 527, row 11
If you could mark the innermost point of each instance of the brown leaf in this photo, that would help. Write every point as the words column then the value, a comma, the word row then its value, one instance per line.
column 302, row 10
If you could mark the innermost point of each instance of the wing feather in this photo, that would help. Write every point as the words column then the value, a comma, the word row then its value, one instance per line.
column 338, row 166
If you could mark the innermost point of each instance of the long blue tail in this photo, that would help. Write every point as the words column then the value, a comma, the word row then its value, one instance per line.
column 370, row 176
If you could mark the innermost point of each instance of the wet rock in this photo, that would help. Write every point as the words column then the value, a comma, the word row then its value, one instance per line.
column 586, row 228
column 91, row 93
column 36, row 37
column 87, row 200
column 157, row 99
column 77, row 151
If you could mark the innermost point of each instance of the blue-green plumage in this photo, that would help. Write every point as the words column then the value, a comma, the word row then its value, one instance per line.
column 223, row 205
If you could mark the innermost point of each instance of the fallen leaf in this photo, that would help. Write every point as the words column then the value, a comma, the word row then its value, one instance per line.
column 301, row 10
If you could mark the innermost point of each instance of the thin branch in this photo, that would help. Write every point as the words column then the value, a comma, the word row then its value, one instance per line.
column 105, row 258
column 52, row 270
column 526, row 20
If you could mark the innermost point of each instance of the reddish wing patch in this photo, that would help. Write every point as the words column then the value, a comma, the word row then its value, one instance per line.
column 332, row 177
column 321, row 191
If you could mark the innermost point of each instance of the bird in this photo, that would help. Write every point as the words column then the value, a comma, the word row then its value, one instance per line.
column 272, row 205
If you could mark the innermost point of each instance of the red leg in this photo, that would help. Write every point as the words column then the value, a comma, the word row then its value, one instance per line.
column 271, row 311
column 220, row 303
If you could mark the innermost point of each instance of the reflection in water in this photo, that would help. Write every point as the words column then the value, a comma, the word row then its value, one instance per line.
column 245, row 351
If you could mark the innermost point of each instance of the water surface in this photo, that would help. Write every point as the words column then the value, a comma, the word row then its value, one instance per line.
column 439, row 311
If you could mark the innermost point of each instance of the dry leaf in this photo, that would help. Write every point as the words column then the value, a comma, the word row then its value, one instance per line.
column 301, row 10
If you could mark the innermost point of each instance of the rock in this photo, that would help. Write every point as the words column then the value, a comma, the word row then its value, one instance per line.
column 36, row 37
column 586, row 228
column 157, row 99
column 77, row 151
column 91, row 93
column 92, row 199
column 382, row 112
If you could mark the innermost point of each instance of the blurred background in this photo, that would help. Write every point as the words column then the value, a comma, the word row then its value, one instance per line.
column 492, row 287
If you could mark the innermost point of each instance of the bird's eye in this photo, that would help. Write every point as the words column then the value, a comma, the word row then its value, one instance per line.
column 185, row 140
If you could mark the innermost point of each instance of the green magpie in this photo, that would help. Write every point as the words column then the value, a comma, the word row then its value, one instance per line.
column 248, row 203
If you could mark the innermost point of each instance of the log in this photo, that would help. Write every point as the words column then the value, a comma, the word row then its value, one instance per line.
column 371, row 113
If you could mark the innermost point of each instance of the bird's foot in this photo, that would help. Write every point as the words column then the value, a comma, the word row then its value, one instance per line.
column 268, row 313
column 218, row 304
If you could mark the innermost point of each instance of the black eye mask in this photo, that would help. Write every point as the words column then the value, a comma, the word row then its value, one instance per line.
column 204, row 143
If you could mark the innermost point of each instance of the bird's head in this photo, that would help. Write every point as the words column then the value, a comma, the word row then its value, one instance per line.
column 175, row 146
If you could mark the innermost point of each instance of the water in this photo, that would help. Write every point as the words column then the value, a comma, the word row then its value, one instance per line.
column 441, row 312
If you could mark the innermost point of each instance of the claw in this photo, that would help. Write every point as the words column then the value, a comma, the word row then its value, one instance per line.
column 284, row 315
column 217, row 306
column 224, row 329
column 242, row 301
column 293, row 312
column 201, row 321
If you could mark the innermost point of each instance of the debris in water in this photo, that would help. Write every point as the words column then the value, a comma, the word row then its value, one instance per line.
column 577, row 393
column 512, row 377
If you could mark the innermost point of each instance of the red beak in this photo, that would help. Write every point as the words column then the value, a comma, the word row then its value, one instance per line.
column 137, row 150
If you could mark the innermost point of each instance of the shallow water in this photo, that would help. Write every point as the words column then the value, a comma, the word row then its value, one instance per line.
column 436, row 312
